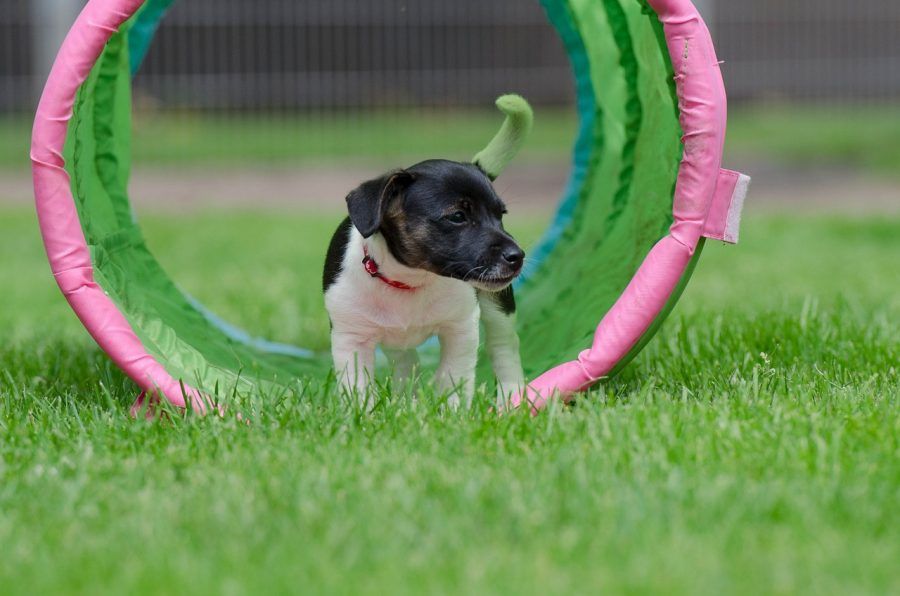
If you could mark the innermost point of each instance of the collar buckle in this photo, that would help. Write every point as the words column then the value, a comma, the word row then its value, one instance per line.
column 371, row 268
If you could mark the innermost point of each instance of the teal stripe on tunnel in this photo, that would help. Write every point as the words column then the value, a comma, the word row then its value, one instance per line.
column 144, row 29
column 560, row 15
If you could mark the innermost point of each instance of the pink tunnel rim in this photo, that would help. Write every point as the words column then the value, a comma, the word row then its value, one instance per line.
column 703, row 114
column 64, row 240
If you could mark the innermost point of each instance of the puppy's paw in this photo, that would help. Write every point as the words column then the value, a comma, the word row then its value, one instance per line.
column 503, row 399
column 454, row 401
column 459, row 398
column 505, row 393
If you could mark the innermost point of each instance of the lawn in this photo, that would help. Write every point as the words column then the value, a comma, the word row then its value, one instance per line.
column 754, row 447
column 829, row 136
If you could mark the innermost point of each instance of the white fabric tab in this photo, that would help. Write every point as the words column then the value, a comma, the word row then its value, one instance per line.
column 724, row 219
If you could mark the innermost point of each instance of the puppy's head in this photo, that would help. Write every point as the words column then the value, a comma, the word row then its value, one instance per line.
column 443, row 217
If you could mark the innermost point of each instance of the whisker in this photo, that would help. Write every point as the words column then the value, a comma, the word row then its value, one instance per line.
column 471, row 271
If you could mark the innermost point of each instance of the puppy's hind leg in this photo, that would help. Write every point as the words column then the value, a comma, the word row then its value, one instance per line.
column 405, row 363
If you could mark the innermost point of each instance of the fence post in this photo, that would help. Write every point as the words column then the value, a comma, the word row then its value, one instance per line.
column 52, row 20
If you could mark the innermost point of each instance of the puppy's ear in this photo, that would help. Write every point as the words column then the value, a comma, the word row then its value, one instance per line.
column 368, row 203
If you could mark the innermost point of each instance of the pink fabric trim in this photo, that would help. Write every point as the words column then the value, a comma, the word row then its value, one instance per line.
column 703, row 107
column 724, row 218
column 67, row 249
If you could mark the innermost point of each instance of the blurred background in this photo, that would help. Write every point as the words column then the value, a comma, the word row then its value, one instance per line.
column 288, row 102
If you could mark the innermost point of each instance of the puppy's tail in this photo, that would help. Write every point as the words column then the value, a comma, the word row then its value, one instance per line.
column 511, row 138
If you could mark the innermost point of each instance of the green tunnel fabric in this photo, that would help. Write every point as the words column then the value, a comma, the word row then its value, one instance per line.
column 624, row 205
column 617, row 206
column 172, row 329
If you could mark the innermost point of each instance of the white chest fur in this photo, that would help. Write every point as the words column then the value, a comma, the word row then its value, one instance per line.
column 361, row 304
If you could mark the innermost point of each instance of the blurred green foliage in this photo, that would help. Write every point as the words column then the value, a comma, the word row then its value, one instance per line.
column 863, row 137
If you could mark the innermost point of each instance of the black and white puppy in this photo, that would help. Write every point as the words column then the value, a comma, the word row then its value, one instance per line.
column 424, row 253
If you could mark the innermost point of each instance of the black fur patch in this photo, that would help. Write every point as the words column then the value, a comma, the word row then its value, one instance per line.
column 421, row 233
column 505, row 299
column 334, row 261
column 440, row 216
column 368, row 203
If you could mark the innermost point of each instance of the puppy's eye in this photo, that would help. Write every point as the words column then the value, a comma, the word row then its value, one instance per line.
column 457, row 217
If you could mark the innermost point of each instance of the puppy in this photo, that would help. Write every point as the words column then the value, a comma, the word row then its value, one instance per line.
column 424, row 253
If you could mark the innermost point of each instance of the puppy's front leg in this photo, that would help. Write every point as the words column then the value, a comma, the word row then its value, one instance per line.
column 498, row 312
column 354, row 363
column 459, row 356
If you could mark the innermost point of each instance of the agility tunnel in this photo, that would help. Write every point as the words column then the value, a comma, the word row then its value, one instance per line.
column 646, row 191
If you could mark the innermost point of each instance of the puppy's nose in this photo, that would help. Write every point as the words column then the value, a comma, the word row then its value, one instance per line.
column 514, row 256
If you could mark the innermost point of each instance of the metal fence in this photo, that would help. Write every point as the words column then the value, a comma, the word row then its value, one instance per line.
column 277, row 54
column 847, row 50
column 274, row 55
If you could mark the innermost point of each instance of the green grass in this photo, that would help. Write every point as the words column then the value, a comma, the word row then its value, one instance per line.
column 853, row 137
column 863, row 137
column 209, row 140
column 754, row 447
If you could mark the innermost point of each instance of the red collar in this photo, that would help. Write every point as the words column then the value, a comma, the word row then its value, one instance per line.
column 372, row 269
